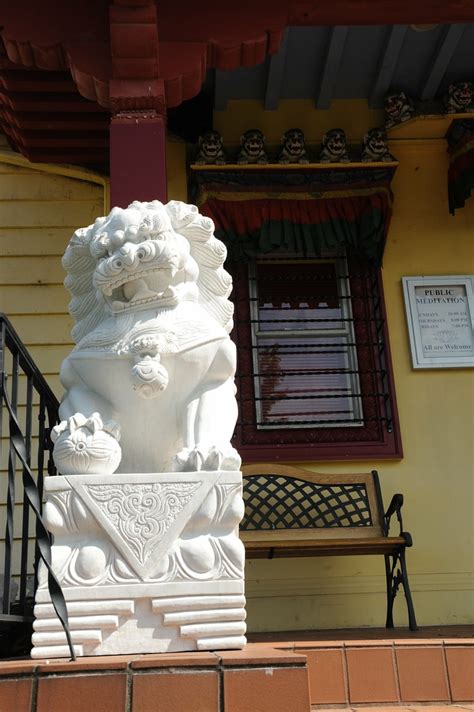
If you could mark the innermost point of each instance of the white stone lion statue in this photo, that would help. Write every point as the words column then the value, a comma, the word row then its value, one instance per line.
column 153, row 365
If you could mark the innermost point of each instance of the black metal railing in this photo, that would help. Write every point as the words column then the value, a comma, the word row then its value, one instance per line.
column 29, row 409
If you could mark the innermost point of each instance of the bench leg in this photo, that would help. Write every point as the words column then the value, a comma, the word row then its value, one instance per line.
column 406, row 589
column 391, row 588
column 394, row 579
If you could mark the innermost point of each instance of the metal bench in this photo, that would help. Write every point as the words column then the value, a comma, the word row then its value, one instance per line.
column 292, row 512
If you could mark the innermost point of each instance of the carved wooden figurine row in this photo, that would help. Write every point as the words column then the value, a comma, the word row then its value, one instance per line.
column 400, row 107
column 333, row 149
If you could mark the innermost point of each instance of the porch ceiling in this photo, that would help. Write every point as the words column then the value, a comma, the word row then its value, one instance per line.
column 358, row 62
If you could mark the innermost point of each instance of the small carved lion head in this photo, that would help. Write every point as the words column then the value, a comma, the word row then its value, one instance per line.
column 461, row 95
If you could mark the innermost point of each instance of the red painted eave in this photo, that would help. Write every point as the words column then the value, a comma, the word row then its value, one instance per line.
column 99, row 41
column 125, row 55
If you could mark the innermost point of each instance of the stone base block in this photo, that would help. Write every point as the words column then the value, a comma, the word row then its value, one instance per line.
column 147, row 563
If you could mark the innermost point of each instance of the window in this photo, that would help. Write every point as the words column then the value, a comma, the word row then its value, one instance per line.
column 313, row 374
column 304, row 359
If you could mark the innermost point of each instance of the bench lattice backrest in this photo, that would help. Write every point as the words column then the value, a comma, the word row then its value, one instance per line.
column 280, row 502
column 280, row 497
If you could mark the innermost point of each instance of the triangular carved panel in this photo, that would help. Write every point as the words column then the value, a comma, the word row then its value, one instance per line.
column 143, row 516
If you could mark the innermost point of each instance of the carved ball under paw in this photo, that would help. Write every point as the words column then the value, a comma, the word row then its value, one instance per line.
column 86, row 446
column 150, row 378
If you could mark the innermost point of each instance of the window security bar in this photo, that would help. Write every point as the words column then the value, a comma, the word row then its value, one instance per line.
column 321, row 345
column 341, row 421
column 313, row 396
column 320, row 320
column 302, row 296
column 314, row 372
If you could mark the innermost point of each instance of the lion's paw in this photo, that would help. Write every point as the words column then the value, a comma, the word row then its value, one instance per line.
column 207, row 459
column 86, row 446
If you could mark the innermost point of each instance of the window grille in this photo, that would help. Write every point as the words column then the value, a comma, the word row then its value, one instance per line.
column 304, row 356
column 313, row 374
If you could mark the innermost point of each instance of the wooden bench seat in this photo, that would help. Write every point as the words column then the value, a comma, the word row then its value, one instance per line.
column 293, row 512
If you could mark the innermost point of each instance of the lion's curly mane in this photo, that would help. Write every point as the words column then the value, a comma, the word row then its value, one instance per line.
column 95, row 326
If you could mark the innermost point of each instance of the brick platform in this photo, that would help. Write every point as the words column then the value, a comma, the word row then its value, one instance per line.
column 259, row 679
column 434, row 665
column 282, row 673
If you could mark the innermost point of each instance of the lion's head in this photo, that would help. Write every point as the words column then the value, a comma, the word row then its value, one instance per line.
column 147, row 256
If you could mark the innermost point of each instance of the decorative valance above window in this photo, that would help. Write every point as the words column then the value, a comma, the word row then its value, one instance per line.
column 460, row 138
column 308, row 210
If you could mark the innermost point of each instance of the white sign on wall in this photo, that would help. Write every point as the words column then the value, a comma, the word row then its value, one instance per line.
column 440, row 315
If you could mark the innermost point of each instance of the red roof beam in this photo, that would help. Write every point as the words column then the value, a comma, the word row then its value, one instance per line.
column 134, row 42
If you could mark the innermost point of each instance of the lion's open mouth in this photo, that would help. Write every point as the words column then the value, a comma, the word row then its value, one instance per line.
column 377, row 146
column 136, row 290
column 295, row 147
column 137, row 275
column 463, row 97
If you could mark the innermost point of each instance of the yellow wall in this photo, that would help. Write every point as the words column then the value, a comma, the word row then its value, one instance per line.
column 435, row 406
column 176, row 169
column 39, row 210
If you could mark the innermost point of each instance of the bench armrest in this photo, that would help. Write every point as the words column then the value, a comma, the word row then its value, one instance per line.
column 395, row 507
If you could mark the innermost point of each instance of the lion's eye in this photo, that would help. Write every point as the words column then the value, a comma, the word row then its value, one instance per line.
column 118, row 263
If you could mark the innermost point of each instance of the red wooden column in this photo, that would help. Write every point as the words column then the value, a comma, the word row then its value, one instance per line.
column 137, row 157
column 138, row 125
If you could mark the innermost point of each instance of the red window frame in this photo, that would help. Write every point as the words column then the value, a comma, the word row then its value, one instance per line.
column 379, row 437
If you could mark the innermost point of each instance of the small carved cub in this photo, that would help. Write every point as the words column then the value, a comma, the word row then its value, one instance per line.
column 460, row 98
column 292, row 148
column 211, row 149
column 334, row 147
column 252, row 147
column 375, row 146
column 398, row 108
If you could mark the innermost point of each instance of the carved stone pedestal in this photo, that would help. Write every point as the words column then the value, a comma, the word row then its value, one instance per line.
column 147, row 563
